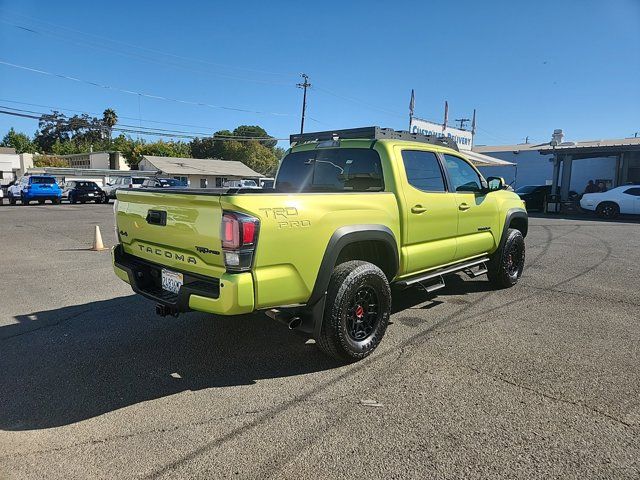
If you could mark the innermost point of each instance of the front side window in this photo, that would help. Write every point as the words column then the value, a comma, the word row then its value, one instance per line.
column 423, row 170
column 463, row 176
column 331, row 170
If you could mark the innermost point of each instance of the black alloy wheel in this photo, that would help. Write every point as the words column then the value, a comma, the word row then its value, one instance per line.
column 363, row 314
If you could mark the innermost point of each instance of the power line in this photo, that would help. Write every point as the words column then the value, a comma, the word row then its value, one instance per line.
column 156, row 61
column 360, row 102
column 58, row 27
column 141, row 94
column 98, row 114
column 133, row 129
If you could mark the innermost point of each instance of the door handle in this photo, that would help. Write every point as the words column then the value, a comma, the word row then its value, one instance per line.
column 464, row 206
column 418, row 209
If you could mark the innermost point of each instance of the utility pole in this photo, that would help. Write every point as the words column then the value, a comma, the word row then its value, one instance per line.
column 304, row 85
column 462, row 122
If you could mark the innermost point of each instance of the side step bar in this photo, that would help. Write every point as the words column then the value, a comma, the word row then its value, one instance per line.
column 465, row 266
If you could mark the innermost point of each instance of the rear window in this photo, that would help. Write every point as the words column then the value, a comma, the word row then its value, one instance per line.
column 137, row 181
column 331, row 170
column 42, row 180
column 91, row 185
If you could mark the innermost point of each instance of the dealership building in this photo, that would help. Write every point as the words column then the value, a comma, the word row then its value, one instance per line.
column 568, row 165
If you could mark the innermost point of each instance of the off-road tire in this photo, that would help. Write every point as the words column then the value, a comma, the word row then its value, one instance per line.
column 608, row 210
column 351, row 282
column 507, row 263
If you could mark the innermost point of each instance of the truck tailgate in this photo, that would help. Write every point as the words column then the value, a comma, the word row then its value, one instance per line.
column 177, row 230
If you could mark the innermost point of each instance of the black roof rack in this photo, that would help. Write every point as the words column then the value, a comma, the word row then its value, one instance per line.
column 371, row 133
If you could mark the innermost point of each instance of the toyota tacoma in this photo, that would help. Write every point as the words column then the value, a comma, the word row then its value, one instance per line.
column 352, row 212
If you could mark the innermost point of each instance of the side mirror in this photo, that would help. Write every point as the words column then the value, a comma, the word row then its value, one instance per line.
column 495, row 183
column 108, row 184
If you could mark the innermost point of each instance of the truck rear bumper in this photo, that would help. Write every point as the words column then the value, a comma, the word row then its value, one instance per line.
column 232, row 294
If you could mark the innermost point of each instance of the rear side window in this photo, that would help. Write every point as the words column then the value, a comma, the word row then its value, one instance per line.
column 43, row 180
column 633, row 191
column 423, row 170
column 331, row 170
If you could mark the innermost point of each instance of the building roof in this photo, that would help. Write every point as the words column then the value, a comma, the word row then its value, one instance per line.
column 201, row 166
column 545, row 148
column 609, row 145
column 63, row 171
column 508, row 148
column 8, row 150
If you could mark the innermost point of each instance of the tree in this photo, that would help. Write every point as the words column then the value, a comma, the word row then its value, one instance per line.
column 49, row 161
column 18, row 141
column 255, row 131
column 56, row 126
column 253, row 154
column 109, row 120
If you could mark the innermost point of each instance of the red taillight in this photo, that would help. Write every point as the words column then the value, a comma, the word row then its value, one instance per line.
column 238, row 234
column 230, row 231
column 248, row 232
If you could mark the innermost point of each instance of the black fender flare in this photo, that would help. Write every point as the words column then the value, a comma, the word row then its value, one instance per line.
column 512, row 214
column 342, row 237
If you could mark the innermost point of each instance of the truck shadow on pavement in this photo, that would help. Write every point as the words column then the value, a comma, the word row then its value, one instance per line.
column 69, row 364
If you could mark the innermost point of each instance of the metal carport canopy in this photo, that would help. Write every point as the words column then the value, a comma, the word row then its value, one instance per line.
column 481, row 160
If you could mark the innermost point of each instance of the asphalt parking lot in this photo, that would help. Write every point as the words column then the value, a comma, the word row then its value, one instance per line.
column 538, row 381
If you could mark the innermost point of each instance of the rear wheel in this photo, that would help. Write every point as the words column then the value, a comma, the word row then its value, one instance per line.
column 507, row 263
column 41, row 201
column 55, row 201
column 357, row 311
column 608, row 210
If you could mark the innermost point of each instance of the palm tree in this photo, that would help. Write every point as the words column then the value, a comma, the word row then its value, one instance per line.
column 109, row 119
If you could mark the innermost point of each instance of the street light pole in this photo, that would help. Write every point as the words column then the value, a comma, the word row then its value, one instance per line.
column 304, row 85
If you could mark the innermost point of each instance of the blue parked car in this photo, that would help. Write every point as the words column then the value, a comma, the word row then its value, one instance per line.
column 35, row 187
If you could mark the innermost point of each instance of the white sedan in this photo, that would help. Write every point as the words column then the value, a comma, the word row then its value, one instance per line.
column 613, row 202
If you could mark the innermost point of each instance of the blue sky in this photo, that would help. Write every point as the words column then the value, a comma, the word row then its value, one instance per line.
column 527, row 67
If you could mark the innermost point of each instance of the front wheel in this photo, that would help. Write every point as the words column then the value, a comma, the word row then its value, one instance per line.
column 608, row 210
column 357, row 311
column 507, row 263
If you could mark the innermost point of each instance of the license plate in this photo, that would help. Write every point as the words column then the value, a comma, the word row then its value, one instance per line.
column 91, row 194
column 172, row 281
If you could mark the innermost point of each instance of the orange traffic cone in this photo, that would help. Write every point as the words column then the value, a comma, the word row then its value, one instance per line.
column 97, row 241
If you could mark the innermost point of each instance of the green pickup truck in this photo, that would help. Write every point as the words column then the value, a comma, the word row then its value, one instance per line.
column 351, row 213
